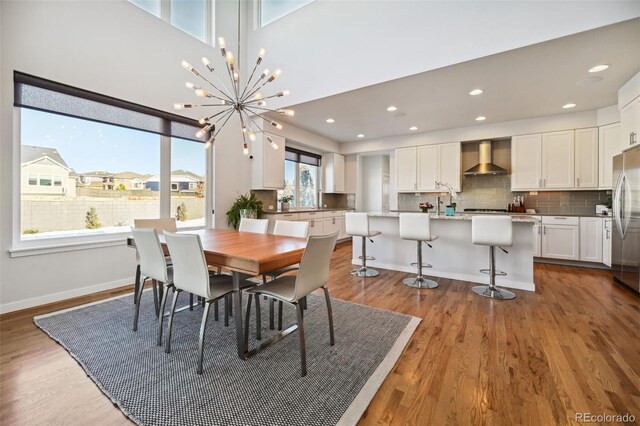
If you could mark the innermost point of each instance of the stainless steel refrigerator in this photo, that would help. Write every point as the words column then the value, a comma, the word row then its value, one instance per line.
column 625, row 248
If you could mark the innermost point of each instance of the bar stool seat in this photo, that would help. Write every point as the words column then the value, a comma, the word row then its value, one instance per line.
column 417, row 227
column 492, row 231
column 357, row 225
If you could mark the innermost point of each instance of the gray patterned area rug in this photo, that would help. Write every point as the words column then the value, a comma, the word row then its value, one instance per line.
column 154, row 388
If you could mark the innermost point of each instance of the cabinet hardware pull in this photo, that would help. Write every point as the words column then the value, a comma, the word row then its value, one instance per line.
column 312, row 223
column 544, row 230
column 544, row 182
column 577, row 181
column 539, row 230
column 556, row 217
column 540, row 183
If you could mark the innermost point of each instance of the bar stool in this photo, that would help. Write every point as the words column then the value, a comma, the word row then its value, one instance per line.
column 357, row 225
column 417, row 227
column 492, row 231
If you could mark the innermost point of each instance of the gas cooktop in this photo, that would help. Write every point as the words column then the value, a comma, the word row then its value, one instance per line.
column 486, row 210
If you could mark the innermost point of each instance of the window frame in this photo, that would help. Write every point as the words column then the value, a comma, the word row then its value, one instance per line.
column 31, row 247
column 36, row 179
column 298, row 153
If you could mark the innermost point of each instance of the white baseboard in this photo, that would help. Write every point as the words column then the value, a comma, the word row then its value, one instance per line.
column 477, row 279
column 63, row 295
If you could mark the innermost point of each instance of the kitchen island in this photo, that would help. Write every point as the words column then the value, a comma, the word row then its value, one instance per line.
column 453, row 255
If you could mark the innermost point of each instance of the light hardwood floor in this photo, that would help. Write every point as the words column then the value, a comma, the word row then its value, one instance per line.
column 572, row 346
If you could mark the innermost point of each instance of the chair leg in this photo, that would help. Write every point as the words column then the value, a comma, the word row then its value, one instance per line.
column 330, row 312
column 215, row 310
column 246, row 323
column 303, row 353
column 138, row 298
column 155, row 296
column 258, row 319
column 231, row 306
column 167, row 348
column 226, row 311
column 279, row 315
column 271, row 313
column 136, row 286
column 163, row 304
column 203, row 326
column 191, row 301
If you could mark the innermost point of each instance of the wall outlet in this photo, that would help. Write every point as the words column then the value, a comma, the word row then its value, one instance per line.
column 270, row 207
column 417, row 194
column 325, row 206
column 533, row 193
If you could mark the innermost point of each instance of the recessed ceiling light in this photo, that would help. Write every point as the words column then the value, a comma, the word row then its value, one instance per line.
column 392, row 108
column 569, row 105
column 476, row 92
column 360, row 135
column 481, row 118
column 599, row 68
column 330, row 120
column 412, row 128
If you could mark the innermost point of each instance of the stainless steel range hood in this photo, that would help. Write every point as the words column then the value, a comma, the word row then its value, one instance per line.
column 485, row 166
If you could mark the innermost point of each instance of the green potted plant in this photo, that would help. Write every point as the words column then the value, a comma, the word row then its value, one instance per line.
column 284, row 202
column 245, row 205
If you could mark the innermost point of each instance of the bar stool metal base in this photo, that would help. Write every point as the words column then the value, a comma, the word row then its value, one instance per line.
column 365, row 272
column 493, row 293
column 420, row 282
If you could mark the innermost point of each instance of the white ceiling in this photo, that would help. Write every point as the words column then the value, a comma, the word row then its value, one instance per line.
column 533, row 81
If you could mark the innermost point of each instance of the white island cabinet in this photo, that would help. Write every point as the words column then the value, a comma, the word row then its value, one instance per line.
column 453, row 255
column 561, row 237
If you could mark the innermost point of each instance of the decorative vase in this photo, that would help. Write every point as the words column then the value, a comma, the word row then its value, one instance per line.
column 449, row 211
column 248, row 213
column 424, row 210
column 284, row 207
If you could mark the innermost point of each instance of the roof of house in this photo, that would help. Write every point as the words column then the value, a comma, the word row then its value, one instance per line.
column 97, row 173
column 179, row 176
column 30, row 153
column 130, row 175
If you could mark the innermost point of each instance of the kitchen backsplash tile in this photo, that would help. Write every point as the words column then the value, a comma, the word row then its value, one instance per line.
column 494, row 192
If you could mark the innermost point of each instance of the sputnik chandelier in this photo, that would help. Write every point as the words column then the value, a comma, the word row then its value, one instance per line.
column 248, row 102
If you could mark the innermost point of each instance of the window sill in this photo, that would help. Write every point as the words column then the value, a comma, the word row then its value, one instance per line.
column 61, row 247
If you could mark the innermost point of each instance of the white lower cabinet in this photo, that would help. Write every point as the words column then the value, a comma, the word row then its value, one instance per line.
column 560, row 237
column 320, row 222
column 606, row 242
column 591, row 239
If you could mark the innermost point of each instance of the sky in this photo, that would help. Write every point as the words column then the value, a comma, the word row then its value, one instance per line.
column 89, row 146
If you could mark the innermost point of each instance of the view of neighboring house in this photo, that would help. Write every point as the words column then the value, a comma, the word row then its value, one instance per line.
column 130, row 180
column 44, row 172
column 182, row 181
column 98, row 179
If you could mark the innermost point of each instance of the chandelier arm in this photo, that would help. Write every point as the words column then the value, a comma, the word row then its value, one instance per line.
column 260, row 115
column 266, row 109
column 228, row 111
column 215, row 87
column 253, row 87
column 252, row 93
column 260, row 130
column 255, row 67
column 219, row 113
column 223, row 124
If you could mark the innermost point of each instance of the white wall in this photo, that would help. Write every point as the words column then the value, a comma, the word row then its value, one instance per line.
column 304, row 139
column 373, row 169
column 113, row 48
column 329, row 47
column 487, row 131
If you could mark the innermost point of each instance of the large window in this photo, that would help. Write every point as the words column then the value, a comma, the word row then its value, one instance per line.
column 195, row 17
column 301, row 178
column 271, row 10
column 91, row 164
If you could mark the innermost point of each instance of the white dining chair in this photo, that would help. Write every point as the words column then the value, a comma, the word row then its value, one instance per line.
column 153, row 265
column 257, row 226
column 312, row 275
column 288, row 228
column 160, row 225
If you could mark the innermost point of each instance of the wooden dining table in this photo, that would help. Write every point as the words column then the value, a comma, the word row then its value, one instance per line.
column 245, row 254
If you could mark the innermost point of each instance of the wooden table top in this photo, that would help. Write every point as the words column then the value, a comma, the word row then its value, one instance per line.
column 247, row 252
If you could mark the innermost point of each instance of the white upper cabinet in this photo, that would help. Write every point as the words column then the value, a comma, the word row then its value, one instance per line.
column 428, row 167
column 558, row 160
column 334, row 177
column 406, row 165
column 350, row 174
column 267, row 167
column 526, row 161
column 450, row 167
column 418, row 168
column 630, row 122
column 586, row 158
column 610, row 145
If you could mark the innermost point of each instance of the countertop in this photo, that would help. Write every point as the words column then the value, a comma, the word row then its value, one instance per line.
column 458, row 216
column 305, row 210
column 519, row 214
